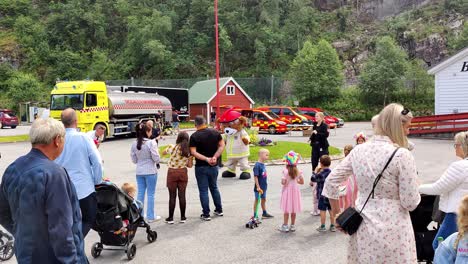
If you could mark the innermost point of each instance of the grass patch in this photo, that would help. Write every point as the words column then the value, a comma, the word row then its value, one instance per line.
column 185, row 125
column 279, row 150
column 14, row 138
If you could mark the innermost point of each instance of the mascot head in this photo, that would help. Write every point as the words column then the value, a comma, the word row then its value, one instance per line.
column 232, row 121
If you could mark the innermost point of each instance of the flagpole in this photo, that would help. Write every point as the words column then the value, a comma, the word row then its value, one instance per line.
column 217, row 58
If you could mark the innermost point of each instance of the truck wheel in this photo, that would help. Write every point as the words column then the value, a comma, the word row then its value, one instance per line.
column 272, row 129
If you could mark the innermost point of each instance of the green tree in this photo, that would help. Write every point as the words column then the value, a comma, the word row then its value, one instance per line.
column 418, row 82
column 316, row 73
column 383, row 73
column 24, row 87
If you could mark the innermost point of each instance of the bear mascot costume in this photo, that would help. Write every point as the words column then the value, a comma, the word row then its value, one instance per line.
column 237, row 144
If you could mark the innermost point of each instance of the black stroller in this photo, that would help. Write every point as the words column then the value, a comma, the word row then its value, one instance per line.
column 117, row 221
column 7, row 247
column 421, row 217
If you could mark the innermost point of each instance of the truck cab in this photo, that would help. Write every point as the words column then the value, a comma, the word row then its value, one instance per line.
column 88, row 98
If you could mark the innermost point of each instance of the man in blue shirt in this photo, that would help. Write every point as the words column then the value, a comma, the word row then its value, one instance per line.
column 80, row 159
column 38, row 202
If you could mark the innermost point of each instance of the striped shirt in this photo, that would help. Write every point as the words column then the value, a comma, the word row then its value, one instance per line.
column 146, row 158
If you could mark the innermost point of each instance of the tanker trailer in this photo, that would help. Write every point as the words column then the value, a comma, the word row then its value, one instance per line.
column 95, row 104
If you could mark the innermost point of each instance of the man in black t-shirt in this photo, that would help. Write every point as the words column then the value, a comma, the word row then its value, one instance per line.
column 206, row 145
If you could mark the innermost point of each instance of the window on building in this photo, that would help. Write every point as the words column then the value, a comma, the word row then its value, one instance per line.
column 230, row 90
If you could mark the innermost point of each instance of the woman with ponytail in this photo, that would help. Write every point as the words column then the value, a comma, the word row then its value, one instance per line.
column 145, row 155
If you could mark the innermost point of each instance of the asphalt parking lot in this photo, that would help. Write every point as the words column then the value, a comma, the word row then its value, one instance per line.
column 225, row 239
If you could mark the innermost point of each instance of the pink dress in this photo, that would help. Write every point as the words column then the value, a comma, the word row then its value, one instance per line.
column 291, row 201
column 349, row 199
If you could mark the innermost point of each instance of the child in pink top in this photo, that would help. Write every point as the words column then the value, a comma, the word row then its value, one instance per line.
column 349, row 188
column 291, row 202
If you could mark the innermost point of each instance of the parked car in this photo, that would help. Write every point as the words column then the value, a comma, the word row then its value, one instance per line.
column 8, row 118
column 329, row 119
column 286, row 113
column 269, row 121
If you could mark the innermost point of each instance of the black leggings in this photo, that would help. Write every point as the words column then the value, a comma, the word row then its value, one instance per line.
column 316, row 154
column 177, row 184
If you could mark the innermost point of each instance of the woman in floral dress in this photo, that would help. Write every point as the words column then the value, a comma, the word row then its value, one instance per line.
column 386, row 234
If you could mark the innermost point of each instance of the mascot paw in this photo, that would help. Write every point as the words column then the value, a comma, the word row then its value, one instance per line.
column 244, row 176
column 228, row 174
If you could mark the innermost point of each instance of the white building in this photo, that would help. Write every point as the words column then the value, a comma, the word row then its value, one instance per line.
column 451, row 84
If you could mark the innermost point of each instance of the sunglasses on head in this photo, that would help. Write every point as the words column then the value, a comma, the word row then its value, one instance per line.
column 405, row 111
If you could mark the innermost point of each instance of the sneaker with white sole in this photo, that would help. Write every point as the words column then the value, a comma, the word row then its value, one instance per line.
column 169, row 220
column 332, row 228
column 322, row 228
column 205, row 217
column 284, row 228
column 183, row 219
column 292, row 228
column 157, row 218
column 218, row 213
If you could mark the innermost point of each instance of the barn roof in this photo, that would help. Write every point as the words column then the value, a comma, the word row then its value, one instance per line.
column 449, row 61
column 203, row 92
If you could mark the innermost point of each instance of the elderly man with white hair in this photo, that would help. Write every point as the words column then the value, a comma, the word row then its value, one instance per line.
column 38, row 202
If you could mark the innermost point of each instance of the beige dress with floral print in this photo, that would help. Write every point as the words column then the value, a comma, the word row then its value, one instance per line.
column 386, row 234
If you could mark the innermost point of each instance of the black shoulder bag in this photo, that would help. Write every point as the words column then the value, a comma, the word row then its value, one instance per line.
column 351, row 219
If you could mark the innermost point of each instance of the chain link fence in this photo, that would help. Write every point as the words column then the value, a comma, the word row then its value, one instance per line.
column 264, row 91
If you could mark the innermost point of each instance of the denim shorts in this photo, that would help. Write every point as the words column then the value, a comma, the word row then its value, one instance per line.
column 263, row 195
column 324, row 204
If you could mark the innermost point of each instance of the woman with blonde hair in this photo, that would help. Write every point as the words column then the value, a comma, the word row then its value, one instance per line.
column 451, row 187
column 454, row 250
column 318, row 139
column 386, row 233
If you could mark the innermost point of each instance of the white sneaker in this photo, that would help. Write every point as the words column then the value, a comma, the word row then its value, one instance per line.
column 284, row 228
column 292, row 228
column 157, row 218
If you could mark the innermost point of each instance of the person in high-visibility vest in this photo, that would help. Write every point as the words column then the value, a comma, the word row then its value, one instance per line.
column 237, row 144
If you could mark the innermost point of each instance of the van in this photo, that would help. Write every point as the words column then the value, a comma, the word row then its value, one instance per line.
column 268, row 121
column 287, row 113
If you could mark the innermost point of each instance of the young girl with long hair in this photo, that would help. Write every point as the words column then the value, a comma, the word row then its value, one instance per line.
column 177, row 174
column 455, row 248
column 291, row 201
column 144, row 153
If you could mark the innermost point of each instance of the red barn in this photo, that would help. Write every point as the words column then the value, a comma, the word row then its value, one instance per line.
column 202, row 97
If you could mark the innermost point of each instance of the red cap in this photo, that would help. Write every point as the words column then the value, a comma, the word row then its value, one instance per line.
column 229, row 116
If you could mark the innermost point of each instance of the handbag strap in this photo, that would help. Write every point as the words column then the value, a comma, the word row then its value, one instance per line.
column 378, row 179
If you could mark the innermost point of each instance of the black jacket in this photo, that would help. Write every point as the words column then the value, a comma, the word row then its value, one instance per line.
column 320, row 139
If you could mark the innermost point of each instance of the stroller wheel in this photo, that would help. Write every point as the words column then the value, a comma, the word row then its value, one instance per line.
column 152, row 236
column 96, row 249
column 131, row 251
column 7, row 250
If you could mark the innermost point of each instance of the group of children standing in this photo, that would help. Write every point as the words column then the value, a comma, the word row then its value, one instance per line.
column 291, row 202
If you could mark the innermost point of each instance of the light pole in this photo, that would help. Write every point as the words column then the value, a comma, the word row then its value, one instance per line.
column 217, row 58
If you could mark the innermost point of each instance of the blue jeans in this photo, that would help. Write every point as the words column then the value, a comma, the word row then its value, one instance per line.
column 448, row 227
column 207, row 178
column 147, row 182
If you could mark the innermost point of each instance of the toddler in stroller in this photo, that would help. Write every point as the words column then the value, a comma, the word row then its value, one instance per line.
column 118, row 217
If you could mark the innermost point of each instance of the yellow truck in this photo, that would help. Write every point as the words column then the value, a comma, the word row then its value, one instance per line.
column 95, row 103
